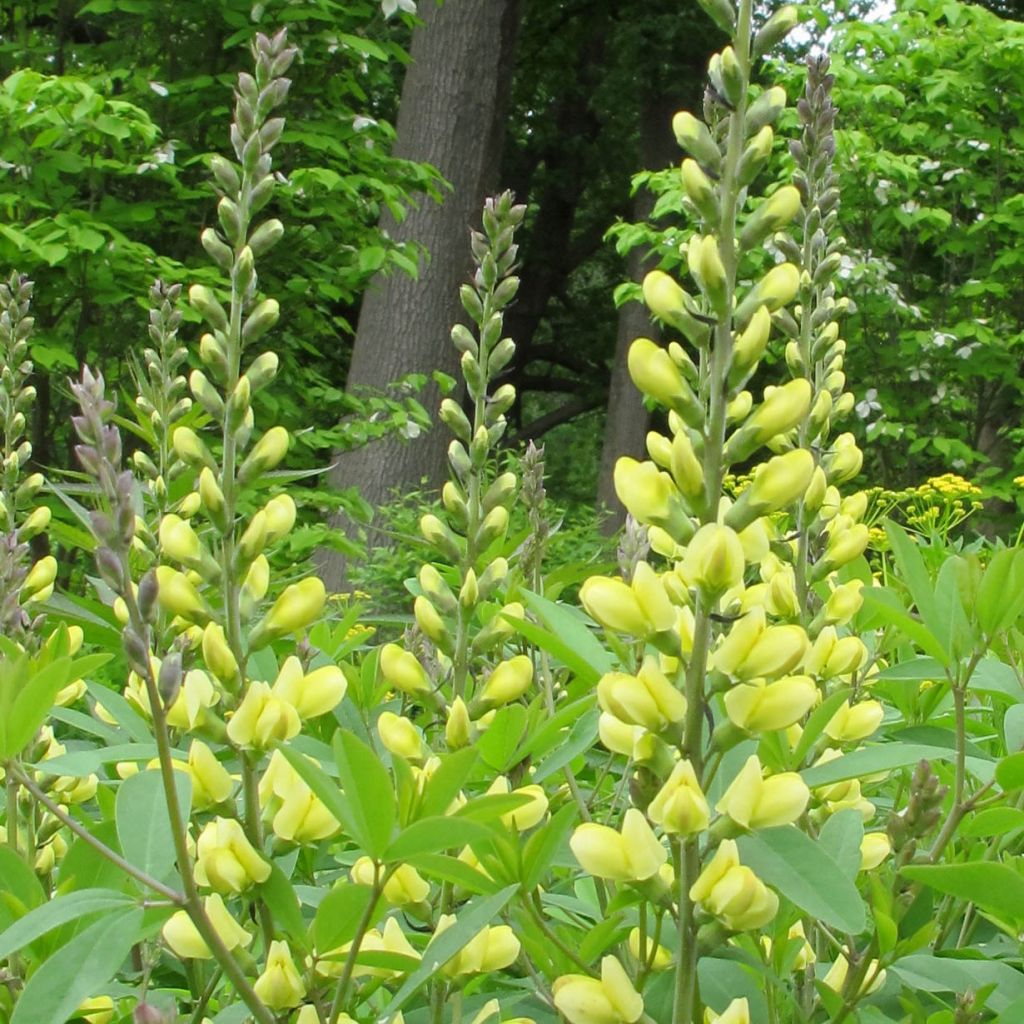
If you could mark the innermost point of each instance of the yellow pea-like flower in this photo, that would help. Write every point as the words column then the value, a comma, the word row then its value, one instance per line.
column 844, row 602
column 280, row 516
column 618, row 736
column 835, row 977
column 491, row 949
column 647, row 699
column 399, row 736
column 218, row 655
column 758, row 706
column 645, row 952
column 755, row 802
column 737, row 1012
column 731, row 891
column 298, row 606
column 652, row 369
column 680, row 806
column 182, row 936
column 211, row 783
column 226, row 860
column 640, row 609
column 632, row 855
column 525, row 817
column 855, row 722
column 509, row 680
column 458, row 727
column 38, row 585
column 874, row 848
column 262, row 718
column 714, row 559
column 312, row 693
column 610, row 999
column 266, row 454
column 405, row 886
column 403, row 670
column 280, row 985
column 97, row 1010
column 178, row 595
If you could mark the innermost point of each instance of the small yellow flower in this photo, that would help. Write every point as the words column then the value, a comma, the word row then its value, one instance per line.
column 612, row 999
column 491, row 949
column 406, row 885
column 184, row 939
column 737, row 1012
column 732, row 892
column 680, row 806
column 262, row 718
column 647, row 699
column 755, row 802
column 645, row 952
column 764, row 707
column 855, row 722
column 280, row 986
column 874, row 848
column 632, row 855
column 226, row 860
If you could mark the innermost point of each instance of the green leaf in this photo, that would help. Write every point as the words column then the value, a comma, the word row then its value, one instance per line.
column 581, row 738
column 1000, row 598
column 84, row 762
column 969, row 973
column 491, row 806
column 841, row 837
column 338, row 916
column 444, row 868
column 816, row 722
column 882, row 758
column 996, row 888
column 78, row 970
column 280, row 898
column 562, row 652
column 1010, row 772
column 143, row 820
column 32, row 699
column 121, row 711
column 544, row 845
column 888, row 609
column 499, row 745
column 995, row 821
column 915, row 575
column 59, row 910
column 446, row 782
column 367, row 786
column 20, row 889
column 569, row 623
column 805, row 873
column 474, row 916
column 431, row 835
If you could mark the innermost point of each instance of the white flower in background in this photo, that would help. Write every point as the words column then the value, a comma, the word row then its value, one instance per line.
column 868, row 404
column 390, row 8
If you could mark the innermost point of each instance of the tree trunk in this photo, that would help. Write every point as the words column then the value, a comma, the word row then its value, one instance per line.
column 451, row 115
column 627, row 420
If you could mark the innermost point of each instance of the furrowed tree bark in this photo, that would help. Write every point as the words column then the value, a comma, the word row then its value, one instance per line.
column 451, row 115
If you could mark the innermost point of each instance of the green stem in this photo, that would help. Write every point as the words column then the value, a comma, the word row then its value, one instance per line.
column 535, row 911
column 341, row 992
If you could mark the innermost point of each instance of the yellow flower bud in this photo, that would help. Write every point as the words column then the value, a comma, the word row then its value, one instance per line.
column 732, row 892
column 737, row 1012
column 406, row 885
column 190, row 449
column 844, row 602
column 97, row 1010
column 182, row 936
column 680, row 806
column 775, row 651
column 835, row 978
column 211, row 783
column 226, row 860
column 707, row 268
column 664, row 298
column 262, row 718
column 296, row 608
column 458, row 728
column 618, row 736
column 640, row 609
column 687, row 469
column 754, row 802
column 844, row 545
column 758, row 707
column 632, row 855
column 852, row 723
column 777, row 288
column 647, row 699
column 400, row 736
column 178, row 540
column 700, row 191
column 265, row 455
column 429, row 621
column 714, row 559
column 217, row 655
column 403, row 670
column 645, row 952
column 280, row 985
column 694, row 136
column 40, row 579
column 612, row 999
column 509, row 680
column 772, row 215
column 874, row 848
column 648, row 494
column 750, row 344
column 655, row 373
column 211, row 495
column 781, row 480
column 491, row 949
column 177, row 595
column 296, row 814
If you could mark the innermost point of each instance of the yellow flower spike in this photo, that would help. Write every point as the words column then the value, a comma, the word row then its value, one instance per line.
column 680, row 806
column 618, row 736
column 755, row 802
column 262, row 718
column 853, row 723
column 647, row 699
column 280, row 985
column 296, row 608
column 182, row 936
column 509, row 680
column 312, row 694
column 218, row 657
column 714, row 560
column 775, row 651
column 649, row 495
column 97, row 1010
column 875, row 847
column 835, row 978
column 612, row 999
column 399, row 736
column 632, row 855
column 403, row 670
column 458, row 728
column 844, row 602
column 265, row 455
column 612, row 603
column 177, row 595
column 658, row 957
column 211, row 783
column 225, row 859
column 758, row 707
column 737, row 1012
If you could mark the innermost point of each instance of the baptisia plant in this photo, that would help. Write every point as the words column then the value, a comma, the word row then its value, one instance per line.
column 745, row 669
